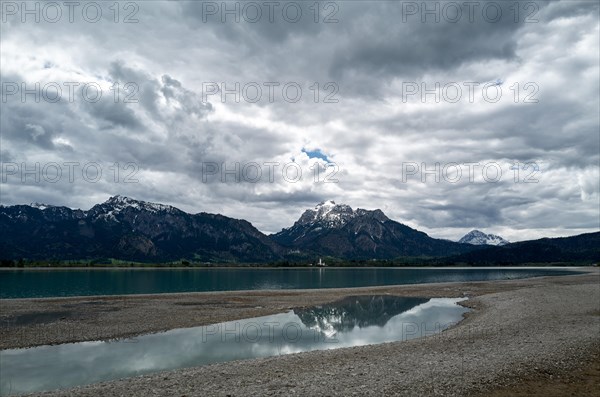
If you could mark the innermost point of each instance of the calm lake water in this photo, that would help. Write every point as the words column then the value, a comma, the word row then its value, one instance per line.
column 71, row 282
column 353, row 321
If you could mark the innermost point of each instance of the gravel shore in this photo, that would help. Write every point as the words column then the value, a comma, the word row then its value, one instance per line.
column 520, row 331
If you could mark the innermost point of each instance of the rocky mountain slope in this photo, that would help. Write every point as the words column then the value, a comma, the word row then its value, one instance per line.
column 338, row 230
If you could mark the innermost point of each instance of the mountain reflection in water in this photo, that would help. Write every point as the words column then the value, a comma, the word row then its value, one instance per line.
column 355, row 311
column 353, row 321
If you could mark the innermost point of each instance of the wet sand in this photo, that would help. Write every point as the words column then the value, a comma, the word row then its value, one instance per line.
column 521, row 335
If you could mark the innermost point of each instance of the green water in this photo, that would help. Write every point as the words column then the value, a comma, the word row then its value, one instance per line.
column 70, row 282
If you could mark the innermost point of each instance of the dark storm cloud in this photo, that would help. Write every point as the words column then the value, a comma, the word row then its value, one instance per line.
column 147, row 90
column 190, row 102
column 370, row 43
column 34, row 126
column 570, row 9
column 389, row 44
column 274, row 23
column 300, row 199
column 115, row 114
column 169, row 132
column 476, row 205
column 525, row 133
column 414, row 47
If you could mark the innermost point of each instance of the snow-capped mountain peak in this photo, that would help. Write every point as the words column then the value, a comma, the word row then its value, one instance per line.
column 119, row 204
column 327, row 204
column 476, row 237
column 40, row 206
column 328, row 214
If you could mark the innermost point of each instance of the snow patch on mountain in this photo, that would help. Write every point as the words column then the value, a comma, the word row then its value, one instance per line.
column 40, row 206
column 118, row 204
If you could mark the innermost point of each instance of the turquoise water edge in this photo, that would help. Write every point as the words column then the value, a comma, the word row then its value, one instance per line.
column 38, row 283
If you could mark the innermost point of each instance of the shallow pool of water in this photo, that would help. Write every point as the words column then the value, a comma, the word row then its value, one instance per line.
column 353, row 321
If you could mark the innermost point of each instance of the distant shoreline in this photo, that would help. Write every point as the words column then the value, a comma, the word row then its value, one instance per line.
column 257, row 266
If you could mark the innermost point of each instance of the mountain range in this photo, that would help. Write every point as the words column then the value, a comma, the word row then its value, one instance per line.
column 130, row 230
column 338, row 230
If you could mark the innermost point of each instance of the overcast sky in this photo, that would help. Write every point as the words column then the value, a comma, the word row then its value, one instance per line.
column 518, row 94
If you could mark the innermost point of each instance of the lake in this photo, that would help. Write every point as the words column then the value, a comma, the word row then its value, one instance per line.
column 29, row 283
column 352, row 321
